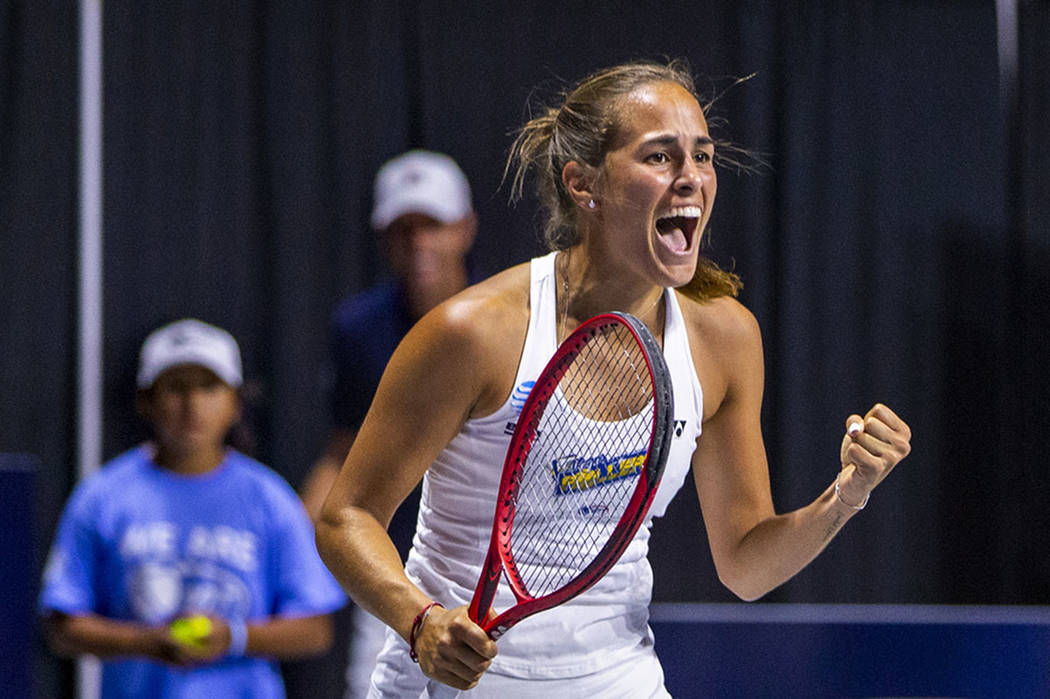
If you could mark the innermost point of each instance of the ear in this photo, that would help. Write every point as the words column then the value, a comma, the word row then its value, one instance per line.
column 579, row 183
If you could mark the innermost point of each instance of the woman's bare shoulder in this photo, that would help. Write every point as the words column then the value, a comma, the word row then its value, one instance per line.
column 477, row 336
column 496, row 304
column 723, row 321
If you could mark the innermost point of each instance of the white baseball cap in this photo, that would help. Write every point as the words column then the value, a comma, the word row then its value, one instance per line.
column 190, row 341
column 420, row 181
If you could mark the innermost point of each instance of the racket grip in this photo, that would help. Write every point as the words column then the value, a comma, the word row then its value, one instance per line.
column 438, row 690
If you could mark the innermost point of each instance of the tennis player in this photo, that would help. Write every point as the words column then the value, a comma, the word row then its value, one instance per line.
column 624, row 165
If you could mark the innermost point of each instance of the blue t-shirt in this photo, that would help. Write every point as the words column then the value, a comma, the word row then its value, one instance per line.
column 139, row 542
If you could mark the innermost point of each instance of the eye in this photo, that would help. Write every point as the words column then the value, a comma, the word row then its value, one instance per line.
column 658, row 157
column 702, row 157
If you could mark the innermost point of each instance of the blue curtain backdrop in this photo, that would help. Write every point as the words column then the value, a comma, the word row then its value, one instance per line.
column 896, row 249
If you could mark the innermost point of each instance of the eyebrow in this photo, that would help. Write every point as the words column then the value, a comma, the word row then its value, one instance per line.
column 669, row 139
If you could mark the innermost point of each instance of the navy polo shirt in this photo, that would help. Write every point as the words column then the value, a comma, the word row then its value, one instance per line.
column 366, row 329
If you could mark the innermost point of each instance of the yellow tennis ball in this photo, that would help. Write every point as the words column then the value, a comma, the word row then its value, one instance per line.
column 191, row 630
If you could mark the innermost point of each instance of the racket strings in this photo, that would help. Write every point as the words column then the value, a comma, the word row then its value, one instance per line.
column 581, row 473
column 609, row 378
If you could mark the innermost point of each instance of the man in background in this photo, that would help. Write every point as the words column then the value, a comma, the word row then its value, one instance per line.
column 426, row 223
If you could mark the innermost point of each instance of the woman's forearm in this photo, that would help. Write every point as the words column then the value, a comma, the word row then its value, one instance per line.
column 779, row 547
column 359, row 553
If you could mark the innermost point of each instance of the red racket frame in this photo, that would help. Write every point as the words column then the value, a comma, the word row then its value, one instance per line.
column 500, row 556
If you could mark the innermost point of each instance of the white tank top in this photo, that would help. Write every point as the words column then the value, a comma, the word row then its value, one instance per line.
column 609, row 620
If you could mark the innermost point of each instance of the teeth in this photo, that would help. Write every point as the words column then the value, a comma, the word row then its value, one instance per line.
column 684, row 212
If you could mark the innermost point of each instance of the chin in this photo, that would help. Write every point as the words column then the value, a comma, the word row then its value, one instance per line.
column 678, row 272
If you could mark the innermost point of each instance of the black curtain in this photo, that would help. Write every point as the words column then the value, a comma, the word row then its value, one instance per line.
column 1024, row 554
column 895, row 248
column 38, row 264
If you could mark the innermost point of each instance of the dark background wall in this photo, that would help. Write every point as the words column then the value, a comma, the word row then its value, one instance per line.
column 897, row 249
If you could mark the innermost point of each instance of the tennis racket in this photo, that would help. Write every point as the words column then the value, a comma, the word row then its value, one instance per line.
column 582, row 468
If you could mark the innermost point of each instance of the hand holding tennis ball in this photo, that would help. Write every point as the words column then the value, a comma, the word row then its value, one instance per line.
column 192, row 632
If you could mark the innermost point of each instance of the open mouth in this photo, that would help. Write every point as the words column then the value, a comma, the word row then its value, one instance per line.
column 677, row 227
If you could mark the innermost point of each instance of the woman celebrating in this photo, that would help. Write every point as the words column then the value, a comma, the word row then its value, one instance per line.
column 624, row 166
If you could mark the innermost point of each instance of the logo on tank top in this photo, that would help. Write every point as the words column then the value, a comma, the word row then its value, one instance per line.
column 573, row 474
column 517, row 403
column 520, row 394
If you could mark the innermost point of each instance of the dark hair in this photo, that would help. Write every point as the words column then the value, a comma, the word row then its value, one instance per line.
column 580, row 128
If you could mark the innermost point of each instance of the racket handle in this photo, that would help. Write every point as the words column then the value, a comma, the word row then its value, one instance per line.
column 437, row 690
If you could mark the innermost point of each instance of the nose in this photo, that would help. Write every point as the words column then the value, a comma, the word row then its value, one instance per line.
column 191, row 399
column 418, row 238
column 194, row 396
column 688, row 179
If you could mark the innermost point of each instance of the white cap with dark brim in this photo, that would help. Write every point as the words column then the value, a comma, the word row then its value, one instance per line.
column 190, row 342
column 423, row 182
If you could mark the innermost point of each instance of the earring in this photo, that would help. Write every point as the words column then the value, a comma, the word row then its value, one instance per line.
column 590, row 204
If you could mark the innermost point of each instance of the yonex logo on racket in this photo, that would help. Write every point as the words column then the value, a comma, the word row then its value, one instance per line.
column 573, row 474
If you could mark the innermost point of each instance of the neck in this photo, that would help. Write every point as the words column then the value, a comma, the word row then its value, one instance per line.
column 189, row 462
column 584, row 292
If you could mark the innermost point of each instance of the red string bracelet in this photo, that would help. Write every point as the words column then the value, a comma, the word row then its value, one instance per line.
column 417, row 625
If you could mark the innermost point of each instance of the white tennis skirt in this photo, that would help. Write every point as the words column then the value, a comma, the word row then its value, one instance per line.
column 639, row 676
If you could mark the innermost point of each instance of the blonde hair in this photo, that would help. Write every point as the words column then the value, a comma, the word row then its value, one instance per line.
column 580, row 128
